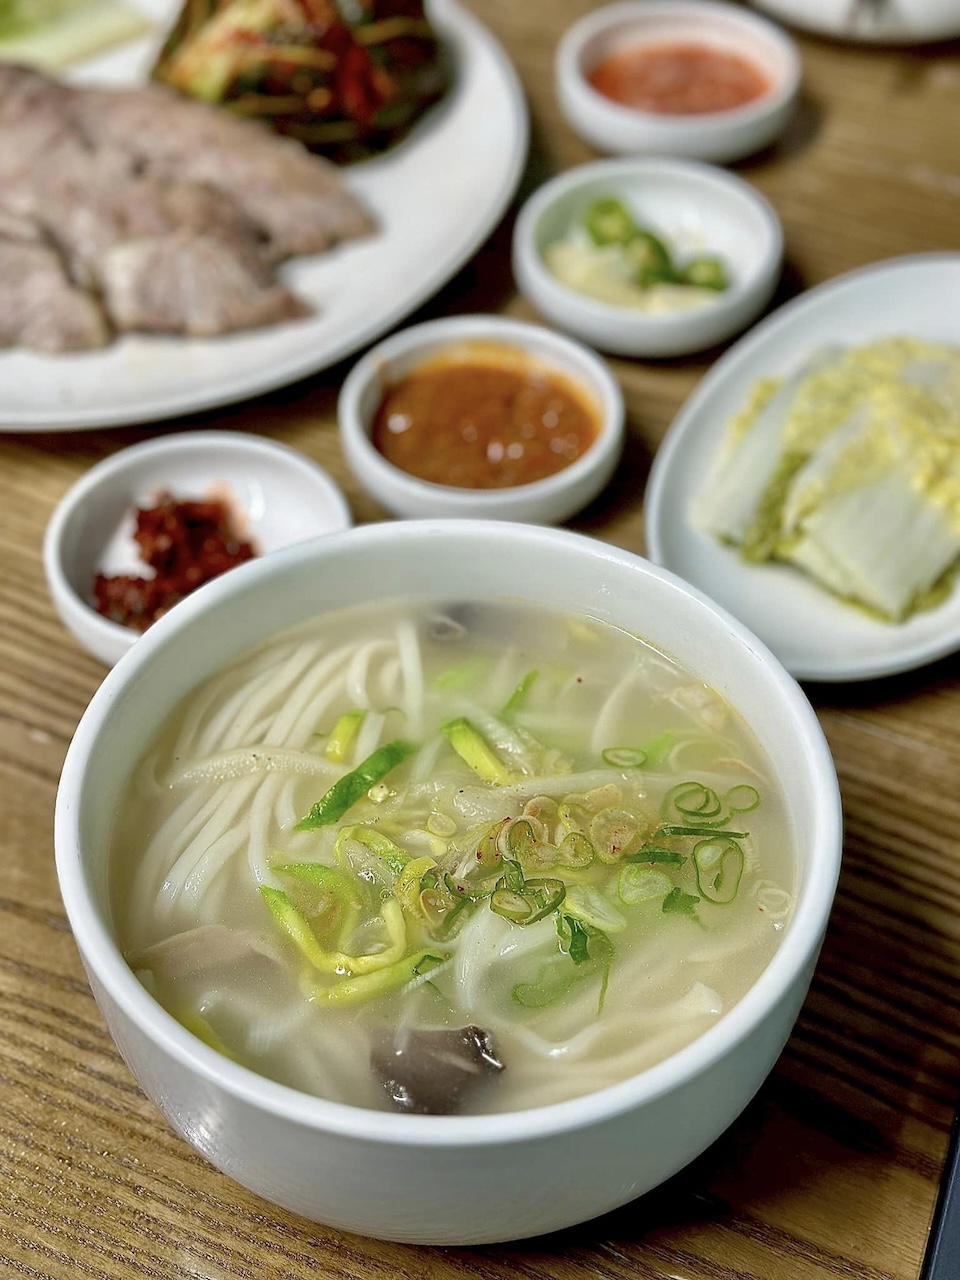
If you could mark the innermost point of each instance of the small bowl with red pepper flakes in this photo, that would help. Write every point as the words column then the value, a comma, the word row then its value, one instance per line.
column 152, row 524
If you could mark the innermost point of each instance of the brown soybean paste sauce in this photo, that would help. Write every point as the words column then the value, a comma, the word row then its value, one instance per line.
column 678, row 79
column 479, row 422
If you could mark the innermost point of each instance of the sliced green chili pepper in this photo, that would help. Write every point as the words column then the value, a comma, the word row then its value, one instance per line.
column 609, row 221
column 354, row 786
column 650, row 260
column 706, row 273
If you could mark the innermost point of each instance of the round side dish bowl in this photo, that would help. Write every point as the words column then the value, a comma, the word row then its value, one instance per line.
column 719, row 136
column 545, row 501
column 445, row 1179
column 694, row 209
column 276, row 495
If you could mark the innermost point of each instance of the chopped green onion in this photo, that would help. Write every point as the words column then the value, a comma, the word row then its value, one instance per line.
column 591, row 907
column 391, row 855
column 693, row 800
column 612, row 832
column 519, row 696
column 653, row 853
column 574, row 851
column 511, row 905
column 550, row 985
column 354, row 786
column 679, row 903
column 513, row 877
column 657, row 749
column 719, row 864
column 742, row 798
column 475, row 751
column 624, row 757
column 461, row 676
column 574, row 938
column 670, row 830
column 641, row 884
column 369, row 985
column 343, row 734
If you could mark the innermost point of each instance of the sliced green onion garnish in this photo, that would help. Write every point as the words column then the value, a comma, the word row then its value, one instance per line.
column 694, row 801
column 474, row 750
column 719, row 864
column 742, row 798
column 679, row 903
column 343, row 735
column 591, row 907
column 354, row 786
column 670, row 830
column 519, row 696
column 624, row 757
column 653, row 853
column 369, row 985
column 641, row 884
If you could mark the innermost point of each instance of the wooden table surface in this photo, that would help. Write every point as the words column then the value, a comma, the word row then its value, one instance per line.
column 833, row 1169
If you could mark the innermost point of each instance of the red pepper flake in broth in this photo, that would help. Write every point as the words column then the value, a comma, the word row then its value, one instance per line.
column 186, row 544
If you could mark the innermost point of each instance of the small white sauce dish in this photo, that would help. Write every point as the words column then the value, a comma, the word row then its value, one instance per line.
column 719, row 136
column 277, row 496
column 695, row 209
column 546, row 501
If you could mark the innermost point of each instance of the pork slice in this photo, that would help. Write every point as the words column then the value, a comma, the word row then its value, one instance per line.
column 88, row 206
column 298, row 200
column 192, row 283
column 36, row 125
column 40, row 307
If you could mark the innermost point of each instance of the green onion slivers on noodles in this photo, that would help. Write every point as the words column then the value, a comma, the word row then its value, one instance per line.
column 519, row 695
column 474, row 750
column 624, row 757
column 354, row 786
column 719, row 864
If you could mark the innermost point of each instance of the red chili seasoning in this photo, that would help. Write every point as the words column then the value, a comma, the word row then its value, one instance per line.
column 488, row 419
column 186, row 544
column 678, row 79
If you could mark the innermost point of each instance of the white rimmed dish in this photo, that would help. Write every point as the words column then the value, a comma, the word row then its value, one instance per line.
column 696, row 209
column 907, row 22
column 544, row 501
column 435, row 197
column 278, row 495
column 719, row 136
column 432, row 1179
column 815, row 636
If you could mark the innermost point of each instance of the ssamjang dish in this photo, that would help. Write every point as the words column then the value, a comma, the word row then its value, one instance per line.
column 346, row 77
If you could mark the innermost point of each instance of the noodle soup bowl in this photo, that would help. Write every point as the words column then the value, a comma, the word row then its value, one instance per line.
column 446, row 1179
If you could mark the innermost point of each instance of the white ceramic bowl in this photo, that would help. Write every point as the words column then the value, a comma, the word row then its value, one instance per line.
column 279, row 495
column 445, row 1179
column 543, row 501
column 720, row 136
column 696, row 209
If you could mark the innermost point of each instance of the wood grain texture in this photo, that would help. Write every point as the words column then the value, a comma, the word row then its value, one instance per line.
column 831, row 1173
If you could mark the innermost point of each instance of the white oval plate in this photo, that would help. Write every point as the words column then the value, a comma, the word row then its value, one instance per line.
column 870, row 21
column 436, row 198
column 815, row 636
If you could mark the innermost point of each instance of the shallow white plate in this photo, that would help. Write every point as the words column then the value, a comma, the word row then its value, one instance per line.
column 871, row 21
column 436, row 197
column 813, row 635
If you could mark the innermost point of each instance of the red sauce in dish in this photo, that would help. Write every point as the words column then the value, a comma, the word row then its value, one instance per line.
column 678, row 79
column 487, row 419
column 185, row 544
